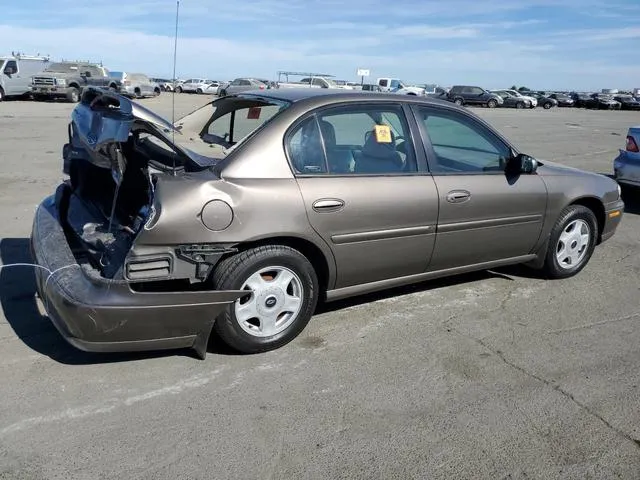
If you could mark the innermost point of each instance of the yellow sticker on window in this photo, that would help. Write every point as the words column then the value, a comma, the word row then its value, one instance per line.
column 383, row 134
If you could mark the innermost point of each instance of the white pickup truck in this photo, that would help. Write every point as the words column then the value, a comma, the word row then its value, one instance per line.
column 310, row 81
column 395, row 85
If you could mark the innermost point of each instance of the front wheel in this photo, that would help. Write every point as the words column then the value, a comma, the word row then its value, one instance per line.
column 282, row 293
column 572, row 242
column 520, row 105
column 199, row 91
column 546, row 106
column 223, row 93
column 178, row 89
column 73, row 95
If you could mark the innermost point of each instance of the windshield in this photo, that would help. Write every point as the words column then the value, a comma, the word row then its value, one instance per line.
column 331, row 82
column 62, row 67
column 217, row 128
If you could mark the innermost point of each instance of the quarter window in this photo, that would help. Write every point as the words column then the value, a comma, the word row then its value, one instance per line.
column 353, row 140
column 462, row 145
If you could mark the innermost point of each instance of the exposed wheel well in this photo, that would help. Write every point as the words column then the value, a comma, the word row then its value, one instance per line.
column 114, row 86
column 307, row 248
column 596, row 207
column 74, row 85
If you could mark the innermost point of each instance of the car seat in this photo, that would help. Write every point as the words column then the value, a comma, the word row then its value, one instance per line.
column 377, row 157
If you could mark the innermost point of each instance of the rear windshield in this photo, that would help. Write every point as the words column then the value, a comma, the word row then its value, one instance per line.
column 218, row 127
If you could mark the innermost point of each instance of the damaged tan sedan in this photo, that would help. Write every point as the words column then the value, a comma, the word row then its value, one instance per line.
column 246, row 213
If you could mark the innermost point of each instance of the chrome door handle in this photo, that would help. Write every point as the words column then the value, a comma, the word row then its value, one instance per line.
column 458, row 196
column 328, row 205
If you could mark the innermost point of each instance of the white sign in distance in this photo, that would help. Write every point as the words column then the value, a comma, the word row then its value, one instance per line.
column 361, row 72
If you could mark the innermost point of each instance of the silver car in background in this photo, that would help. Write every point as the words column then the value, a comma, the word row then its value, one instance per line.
column 136, row 85
column 626, row 166
column 242, row 85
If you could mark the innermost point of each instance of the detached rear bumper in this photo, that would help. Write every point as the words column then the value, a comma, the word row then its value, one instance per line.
column 99, row 315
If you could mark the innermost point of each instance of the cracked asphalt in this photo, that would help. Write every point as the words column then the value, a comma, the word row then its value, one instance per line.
column 496, row 375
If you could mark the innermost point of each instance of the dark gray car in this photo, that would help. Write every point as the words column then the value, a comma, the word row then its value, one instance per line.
column 246, row 213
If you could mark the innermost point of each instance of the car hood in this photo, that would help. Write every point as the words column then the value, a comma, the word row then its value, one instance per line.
column 546, row 168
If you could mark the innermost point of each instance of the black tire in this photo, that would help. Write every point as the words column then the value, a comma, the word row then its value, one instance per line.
column 546, row 105
column 137, row 93
column 178, row 89
column 459, row 101
column 233, row 272
column 73, row 95
column 157, row 91
column 520, row 105
column 552, row 268
column 223, row 93
column 493, row 103
column 199, row 91
column 1, row 94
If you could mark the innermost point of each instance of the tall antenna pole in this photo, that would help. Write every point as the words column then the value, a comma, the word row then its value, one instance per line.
column 173, row 94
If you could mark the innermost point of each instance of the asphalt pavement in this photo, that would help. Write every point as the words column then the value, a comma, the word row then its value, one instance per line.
column 496, row 375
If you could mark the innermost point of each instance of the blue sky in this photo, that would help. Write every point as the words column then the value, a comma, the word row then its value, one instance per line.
column 583, row 44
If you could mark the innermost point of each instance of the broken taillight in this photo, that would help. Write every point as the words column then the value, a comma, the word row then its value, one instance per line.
column 632, row 146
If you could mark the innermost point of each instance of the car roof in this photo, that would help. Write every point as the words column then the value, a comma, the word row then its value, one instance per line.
column 300, row 94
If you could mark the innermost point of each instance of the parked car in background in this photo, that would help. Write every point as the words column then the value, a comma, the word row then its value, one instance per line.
column 545, row 101
column 212, row 89
column 193, row 85
column 17, row 71
column 136, row 85
column 513, row 101
column 525, row 96
column 563, row 99
column 242, row 85
column 627, row 102
column 415, row 90
column 603, row 101
column 315, row 81
column 242, row 215
column 389, row 84
column 165, row 85
column 68, row 79
column 580, row 99
column 626, row 166
column 472, row 95
column 371, row 87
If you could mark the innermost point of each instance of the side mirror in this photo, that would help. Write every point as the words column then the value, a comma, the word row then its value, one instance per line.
column 522, row 163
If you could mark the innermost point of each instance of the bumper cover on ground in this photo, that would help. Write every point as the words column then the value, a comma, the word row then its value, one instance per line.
column 100, row 315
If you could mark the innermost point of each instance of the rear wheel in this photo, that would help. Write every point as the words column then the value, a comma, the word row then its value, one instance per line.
column 199, row 91
column 546, row 105
column 1, row 94
column 178, row 89
column 492, row 103
column 572, row 241
column 282, row 293
column 223, row 93
column 458, row 101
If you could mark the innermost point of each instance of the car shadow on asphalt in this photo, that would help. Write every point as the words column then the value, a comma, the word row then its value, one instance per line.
column 20, row 307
